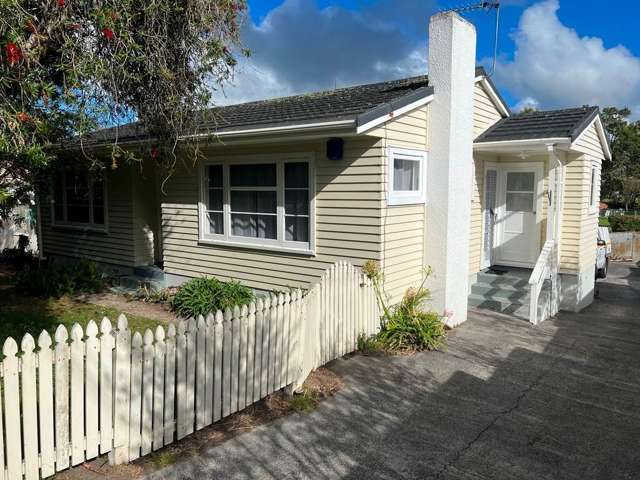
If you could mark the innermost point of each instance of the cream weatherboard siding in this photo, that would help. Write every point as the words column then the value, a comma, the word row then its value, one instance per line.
column 348, row 218
column 485, row 115
column 131, row 221
column 477, row 201
column 116, row 246
column 403, row 225
column 579, row 223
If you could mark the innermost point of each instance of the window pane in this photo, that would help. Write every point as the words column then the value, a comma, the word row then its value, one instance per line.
column 406, row 175
column 215, row 199
column 260, row 175
column 296, row 202
column 255, row 226
column 520, row 181
column 78, row 213
column 296, row 175
column 254, row 202
column 297, row 229
column 520, row 202
column 216, row 223
column 215, row 175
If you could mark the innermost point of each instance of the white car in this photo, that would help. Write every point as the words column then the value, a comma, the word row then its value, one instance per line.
column 603, row 252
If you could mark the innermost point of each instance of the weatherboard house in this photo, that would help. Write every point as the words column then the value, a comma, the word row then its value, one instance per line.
column 432, row 170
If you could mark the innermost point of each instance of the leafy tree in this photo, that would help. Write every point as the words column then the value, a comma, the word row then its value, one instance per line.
column 70, row 67
column 621, row 176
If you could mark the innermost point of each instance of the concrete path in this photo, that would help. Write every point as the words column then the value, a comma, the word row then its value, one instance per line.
column 504, row 401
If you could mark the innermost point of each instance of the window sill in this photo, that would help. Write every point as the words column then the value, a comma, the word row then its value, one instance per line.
column 80, row 228
column 256, row 246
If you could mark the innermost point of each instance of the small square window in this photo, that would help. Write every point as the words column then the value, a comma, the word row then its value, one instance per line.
column 407, row 177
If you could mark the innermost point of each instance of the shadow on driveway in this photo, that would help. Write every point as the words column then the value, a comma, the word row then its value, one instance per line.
column 505, row 400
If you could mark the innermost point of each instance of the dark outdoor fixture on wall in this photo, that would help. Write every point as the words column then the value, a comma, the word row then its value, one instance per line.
column 335, row 148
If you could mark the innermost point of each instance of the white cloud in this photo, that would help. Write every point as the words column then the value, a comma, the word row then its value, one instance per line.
column 527, row 102
column 558, row 68
column 299, row 47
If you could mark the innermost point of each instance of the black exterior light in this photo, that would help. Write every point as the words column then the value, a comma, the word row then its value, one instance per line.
column 335, row 148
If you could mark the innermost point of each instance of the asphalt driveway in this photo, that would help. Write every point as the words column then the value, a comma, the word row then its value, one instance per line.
column 504, row 401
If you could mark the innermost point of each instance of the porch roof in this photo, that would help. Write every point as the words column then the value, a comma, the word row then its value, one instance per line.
column 555, row 124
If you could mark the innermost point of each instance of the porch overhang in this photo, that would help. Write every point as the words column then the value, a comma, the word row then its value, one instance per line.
column 526, row 146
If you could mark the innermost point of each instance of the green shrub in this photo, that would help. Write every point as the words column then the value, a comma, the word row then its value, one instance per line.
column 57, row 281
column 406, row 326
column 368, row 344
column 201, row 296
column 625, row 223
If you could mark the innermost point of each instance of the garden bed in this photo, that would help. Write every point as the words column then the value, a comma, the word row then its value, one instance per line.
column 21, row 313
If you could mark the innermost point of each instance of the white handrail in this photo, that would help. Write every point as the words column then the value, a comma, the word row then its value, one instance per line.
column 541, row 271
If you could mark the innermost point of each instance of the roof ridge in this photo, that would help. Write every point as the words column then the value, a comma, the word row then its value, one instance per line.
column 407, row 80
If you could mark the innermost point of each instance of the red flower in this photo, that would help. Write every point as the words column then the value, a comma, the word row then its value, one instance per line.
column 61, row 3
column 108, row 33
column 14, row 54
column 154, row 153
column 23, row 117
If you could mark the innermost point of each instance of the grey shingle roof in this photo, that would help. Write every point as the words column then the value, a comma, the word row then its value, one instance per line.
column 567, row 123
column 333, row 105
column 361, row 103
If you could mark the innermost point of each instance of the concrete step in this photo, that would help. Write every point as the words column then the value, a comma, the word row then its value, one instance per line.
column 500, row 304
column 503, row 280
column 505, row 291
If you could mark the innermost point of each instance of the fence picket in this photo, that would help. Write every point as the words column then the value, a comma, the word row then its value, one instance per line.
column 226, row 363
column 209, row 369
column 242, row 367
column 170, row 385
column 201, row 372
column 45, row 401
column 135, row 415
column 264, row 371
column 158, row 388
column 257, row 356
column 62, row 398
column 107, row 344
column 92, row 376
column 235, row 359
column 191, row 376
column 120, row 453
column 181, row 380
column 77, row 395
column 12, row 409
column 273, row 322
column 251, row 347
column 148, row 354
column 218, row 336
column 284, row 356
column 29, row 408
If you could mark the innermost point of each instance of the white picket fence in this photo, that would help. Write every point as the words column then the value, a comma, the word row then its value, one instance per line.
column 113, row 391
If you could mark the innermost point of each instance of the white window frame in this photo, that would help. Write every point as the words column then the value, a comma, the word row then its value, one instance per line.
column 84, row 226
column 593, row 188
column 279, row 244
column 407, row 197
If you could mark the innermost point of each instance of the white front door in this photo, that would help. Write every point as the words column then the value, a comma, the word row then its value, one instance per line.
column 517, row 229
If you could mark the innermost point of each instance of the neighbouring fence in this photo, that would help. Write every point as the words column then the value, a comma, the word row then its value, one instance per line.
column 109, row 390
column 625, row 245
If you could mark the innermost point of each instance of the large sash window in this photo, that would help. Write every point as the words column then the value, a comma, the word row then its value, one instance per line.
column 78, row 198
column 258, row 202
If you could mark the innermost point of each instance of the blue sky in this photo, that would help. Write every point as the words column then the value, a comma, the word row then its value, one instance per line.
column 552, row 53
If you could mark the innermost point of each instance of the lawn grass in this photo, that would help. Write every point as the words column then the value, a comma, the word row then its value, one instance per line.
column 20, row 314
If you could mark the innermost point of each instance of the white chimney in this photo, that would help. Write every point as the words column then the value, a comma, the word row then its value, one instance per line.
column 452, row 55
